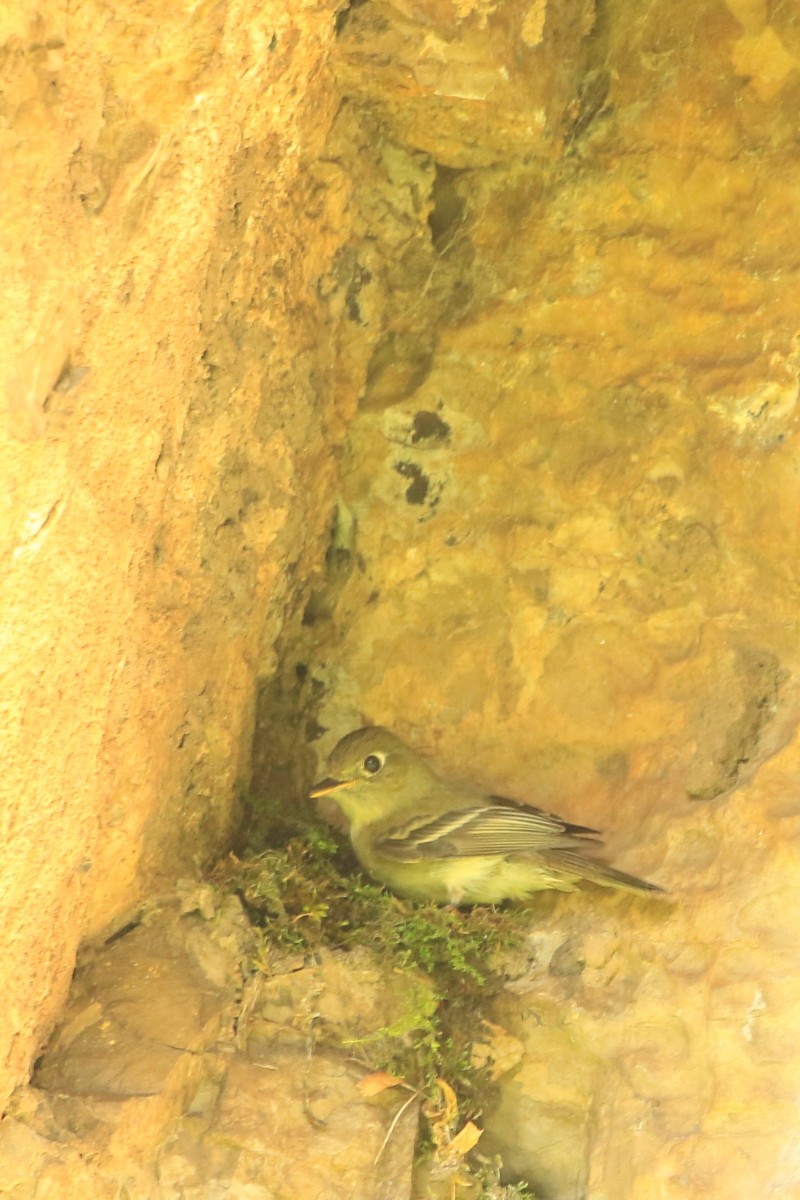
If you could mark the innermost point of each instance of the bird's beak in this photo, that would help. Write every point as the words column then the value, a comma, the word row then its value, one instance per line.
column 326, row 786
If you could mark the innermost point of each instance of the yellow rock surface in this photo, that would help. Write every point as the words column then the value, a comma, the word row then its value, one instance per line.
column 538, row 264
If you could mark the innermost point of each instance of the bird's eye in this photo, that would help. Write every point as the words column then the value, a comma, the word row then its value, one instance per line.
column 372, row 764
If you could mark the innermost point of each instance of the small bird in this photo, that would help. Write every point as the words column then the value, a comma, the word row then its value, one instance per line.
column 435, row 841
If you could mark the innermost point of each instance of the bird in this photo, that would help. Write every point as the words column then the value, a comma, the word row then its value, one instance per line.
column 430, row 840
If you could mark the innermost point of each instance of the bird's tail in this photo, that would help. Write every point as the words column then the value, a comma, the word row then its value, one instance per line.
column 596, row 872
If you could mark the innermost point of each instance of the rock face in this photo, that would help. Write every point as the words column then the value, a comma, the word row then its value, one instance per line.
column 177, row 1070
column 573, row 483
column 540, row 265
column 164, row 387
column 573, row 466
column 657, row 1038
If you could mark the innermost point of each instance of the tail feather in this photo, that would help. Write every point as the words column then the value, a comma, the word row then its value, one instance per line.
column 596, row 872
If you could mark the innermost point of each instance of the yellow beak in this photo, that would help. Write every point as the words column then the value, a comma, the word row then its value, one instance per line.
column 326, row 786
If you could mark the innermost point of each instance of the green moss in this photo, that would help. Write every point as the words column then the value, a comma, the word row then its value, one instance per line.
column 306, row 896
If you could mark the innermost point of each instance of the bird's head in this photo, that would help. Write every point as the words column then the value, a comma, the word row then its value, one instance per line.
column 372, row 773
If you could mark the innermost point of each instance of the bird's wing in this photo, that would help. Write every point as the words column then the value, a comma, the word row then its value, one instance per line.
column 500, row 828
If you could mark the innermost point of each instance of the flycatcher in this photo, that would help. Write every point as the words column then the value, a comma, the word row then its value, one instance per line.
column 435, row 841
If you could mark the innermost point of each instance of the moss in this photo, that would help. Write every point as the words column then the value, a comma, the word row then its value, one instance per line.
column 305, row 898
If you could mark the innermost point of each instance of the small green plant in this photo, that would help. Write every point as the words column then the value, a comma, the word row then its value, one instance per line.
column 306, row 896
column 509, row 1191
